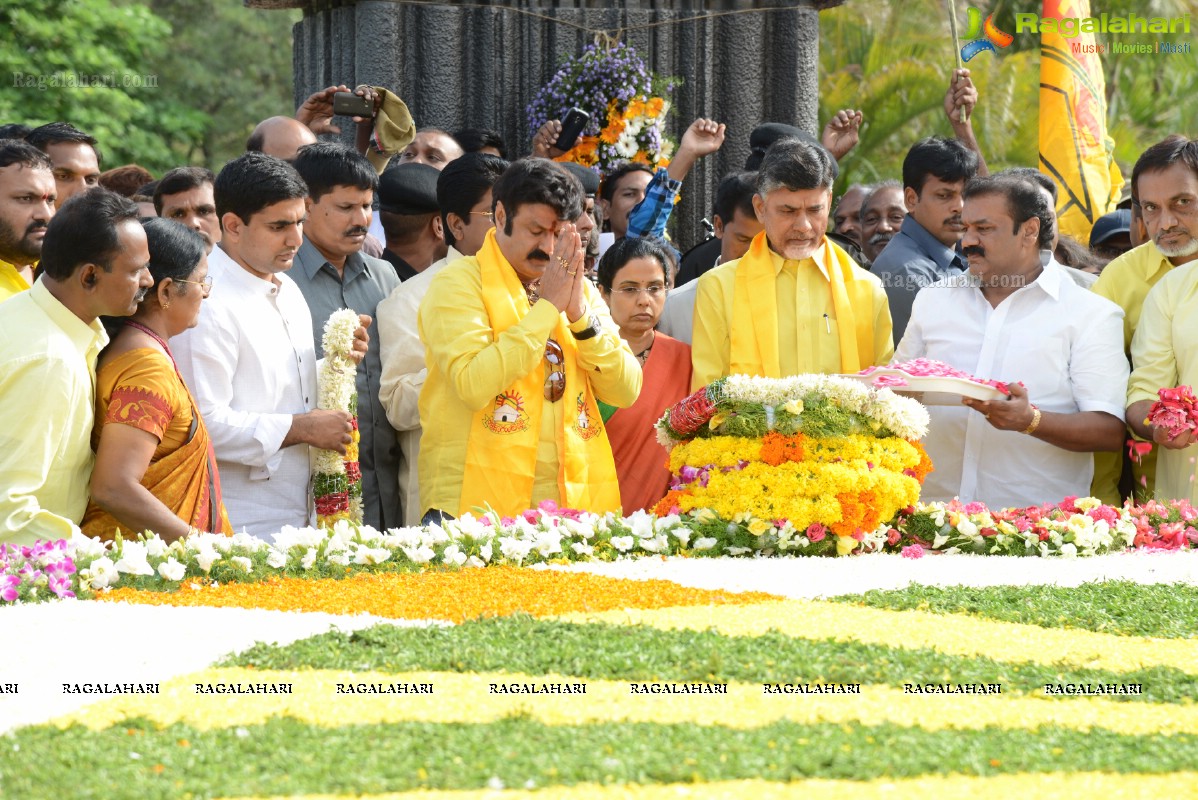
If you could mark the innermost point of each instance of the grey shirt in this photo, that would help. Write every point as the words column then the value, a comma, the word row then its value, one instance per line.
column 367, row 282
column 912, row 260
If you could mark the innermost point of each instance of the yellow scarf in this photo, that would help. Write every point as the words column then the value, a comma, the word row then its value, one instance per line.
column 754, row 334
column 501, row 452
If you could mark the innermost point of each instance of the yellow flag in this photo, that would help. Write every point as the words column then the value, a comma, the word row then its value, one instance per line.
column 1074, row 146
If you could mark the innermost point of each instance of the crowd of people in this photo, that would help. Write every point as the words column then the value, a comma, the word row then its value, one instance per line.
column 523, row 323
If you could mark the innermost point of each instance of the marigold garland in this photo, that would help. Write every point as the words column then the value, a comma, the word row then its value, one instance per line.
column 453, row 596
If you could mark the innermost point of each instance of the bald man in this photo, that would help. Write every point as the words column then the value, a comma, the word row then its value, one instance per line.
column 281, row 137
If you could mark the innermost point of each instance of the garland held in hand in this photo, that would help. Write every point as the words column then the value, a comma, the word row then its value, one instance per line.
column 337, row 480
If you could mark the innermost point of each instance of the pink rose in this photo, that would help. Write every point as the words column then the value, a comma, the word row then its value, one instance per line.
column 816, row 532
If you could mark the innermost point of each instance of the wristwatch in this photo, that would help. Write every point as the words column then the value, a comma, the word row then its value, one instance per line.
column 591, row 330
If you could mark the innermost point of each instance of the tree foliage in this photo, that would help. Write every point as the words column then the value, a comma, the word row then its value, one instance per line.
column 894, row 60
column 163, row 83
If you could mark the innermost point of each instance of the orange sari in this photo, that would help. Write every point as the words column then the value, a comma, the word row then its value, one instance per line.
column 640, row 460
column 142, row 388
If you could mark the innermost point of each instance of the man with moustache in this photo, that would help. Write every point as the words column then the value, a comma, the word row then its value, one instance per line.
column 250, row 361
column 882, row 215
column 27, row 193
column 520, row 348
column 185, row 195
column 935, row 171
column 464, row 197
column 1016, row 317
column 795, row 302
column 846, row 217
column 95, row 262
column 1164, row 183
column 333, row 273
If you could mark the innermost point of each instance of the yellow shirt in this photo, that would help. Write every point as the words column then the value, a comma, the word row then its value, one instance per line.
column 11, row 281
column 807, row 331
column 1125, row 282
column 467, row 367
column 47, row 401
column 1164, row 354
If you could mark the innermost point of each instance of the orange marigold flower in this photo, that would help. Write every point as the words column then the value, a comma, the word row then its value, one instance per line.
column 671, row 503
column 920, row 470
column 655, row 106
column 777, row 448
column 455, row 596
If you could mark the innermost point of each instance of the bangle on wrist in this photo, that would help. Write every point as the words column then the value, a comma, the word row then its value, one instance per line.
column 1035, row 421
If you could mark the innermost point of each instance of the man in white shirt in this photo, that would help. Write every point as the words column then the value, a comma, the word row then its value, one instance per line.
column 464, row 197
column 1016, row 317
column 251, row 362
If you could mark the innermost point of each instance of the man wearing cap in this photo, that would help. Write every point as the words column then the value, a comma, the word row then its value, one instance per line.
column 464, row 195
column 520, row 349
column 411, row 218
column 1111, row 235
column 333, row 274
column 1164, row 184
column 795, row 302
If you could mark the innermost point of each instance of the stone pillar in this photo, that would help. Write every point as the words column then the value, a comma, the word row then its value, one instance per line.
column 480, row 66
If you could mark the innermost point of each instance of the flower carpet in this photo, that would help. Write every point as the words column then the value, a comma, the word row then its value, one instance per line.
column 955, row 675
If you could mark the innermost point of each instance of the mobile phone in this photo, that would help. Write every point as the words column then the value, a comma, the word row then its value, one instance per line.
column 351, row 105
column 576, row 119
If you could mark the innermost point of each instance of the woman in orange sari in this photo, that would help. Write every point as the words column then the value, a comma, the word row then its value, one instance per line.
column 155, row 469
column 633, row 279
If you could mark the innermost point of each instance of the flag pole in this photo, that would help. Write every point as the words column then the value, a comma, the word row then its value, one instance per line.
column 952, row 23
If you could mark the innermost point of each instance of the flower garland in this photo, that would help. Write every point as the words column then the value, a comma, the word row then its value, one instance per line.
column 626, row 103
column 548, row 534
column 337, row 479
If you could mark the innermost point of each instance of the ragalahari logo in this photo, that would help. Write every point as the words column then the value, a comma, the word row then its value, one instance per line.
column 984, row 36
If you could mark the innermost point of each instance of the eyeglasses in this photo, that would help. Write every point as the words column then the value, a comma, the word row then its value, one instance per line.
column 555, row 382
column 206, row 284
column 655, row 292
column 488, row 214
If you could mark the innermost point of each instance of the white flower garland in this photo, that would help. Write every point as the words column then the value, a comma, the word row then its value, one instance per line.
column 337, row 479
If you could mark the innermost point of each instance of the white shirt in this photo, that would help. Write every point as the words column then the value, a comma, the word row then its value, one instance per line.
column 1063, row 342
column 251, row 365
column 678, row 317
column 404, row 373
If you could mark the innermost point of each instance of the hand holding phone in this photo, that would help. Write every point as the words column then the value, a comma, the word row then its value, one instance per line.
column 576, row 119
column 351, row 105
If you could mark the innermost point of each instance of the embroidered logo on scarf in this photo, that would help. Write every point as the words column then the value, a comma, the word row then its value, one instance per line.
column 508, row 415
column 585, row 424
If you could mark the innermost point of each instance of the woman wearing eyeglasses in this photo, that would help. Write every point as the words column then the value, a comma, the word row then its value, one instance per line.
column 633, row 276
column 155, row 468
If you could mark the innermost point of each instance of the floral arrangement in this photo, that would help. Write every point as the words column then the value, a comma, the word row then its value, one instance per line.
column 927, row 368
column 1176, row 411
column 1073, row 527
column 548, row 534
column 626, row 103
column 337, row 479
column 818, row 455
column 37, row 572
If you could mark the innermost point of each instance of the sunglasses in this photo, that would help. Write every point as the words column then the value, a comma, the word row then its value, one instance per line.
column 555, row 383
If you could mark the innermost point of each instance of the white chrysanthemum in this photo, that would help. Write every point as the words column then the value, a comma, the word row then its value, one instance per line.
column 338, row 338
